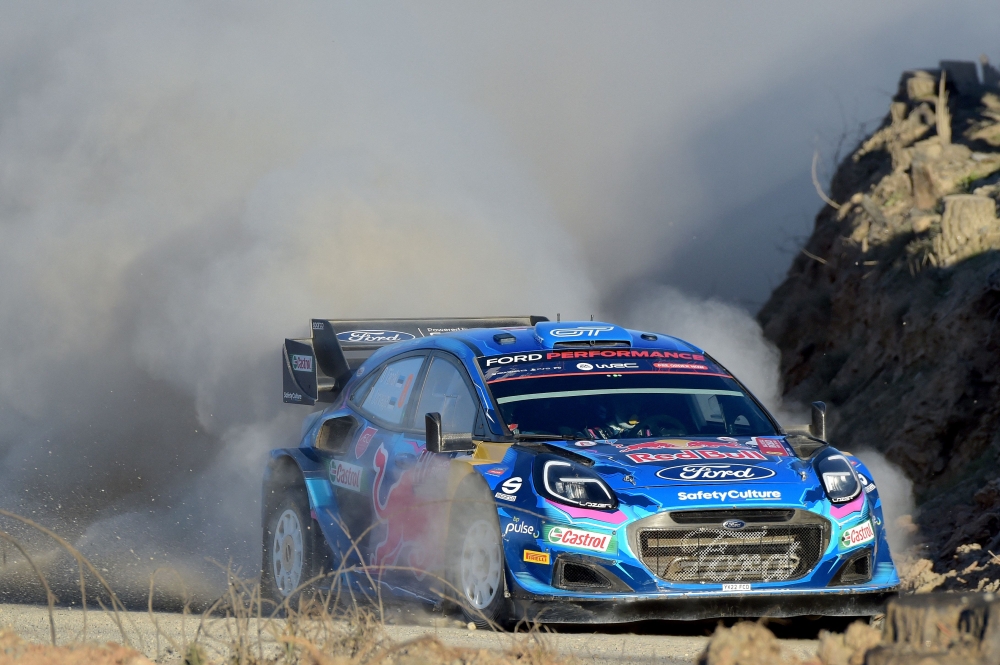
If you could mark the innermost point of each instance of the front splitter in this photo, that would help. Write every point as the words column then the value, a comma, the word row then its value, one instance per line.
column 692, row 608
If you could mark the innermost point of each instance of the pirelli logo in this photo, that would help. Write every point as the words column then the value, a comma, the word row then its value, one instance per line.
column 532, row 556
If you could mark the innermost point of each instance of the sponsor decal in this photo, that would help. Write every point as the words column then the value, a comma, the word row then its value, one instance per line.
column 714, row 473
column 646, row 458
column 578, row 538
column 612, row 365
column 302, row 363
column 581, row 331
column 868, row 485
column 496, row 471
column 731, row 495
column 679, row 366
column 319, row 325
column 505, row 497
column 728, row 438
column 678, row 444
column 735, row 587
column 622, row 353
column 441, row 331
column 770, row 446
column 516, row 358
column 733, row 524
column 293, row 396
column 585, row 444
column 858, row 535
column 373, row 336
column 346, row 475
column 403, row 529
column 617, row 354
column 362, row 445
column 517, row 526
column 532, row 556
column 586, row 367
column 511, row 485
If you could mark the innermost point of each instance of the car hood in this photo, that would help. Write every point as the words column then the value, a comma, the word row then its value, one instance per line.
column 705, row 461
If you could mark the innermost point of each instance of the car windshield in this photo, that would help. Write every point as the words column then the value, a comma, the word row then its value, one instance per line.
column 626, row 405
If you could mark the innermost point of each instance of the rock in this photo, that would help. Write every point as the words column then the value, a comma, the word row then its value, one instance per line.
column 969, row 226
column 918, row 576
column 920, row 85
column 963, row 74
column 921, row 220
column 850, row 647
column 988, row 497
column 745, row 643
column 937, row 170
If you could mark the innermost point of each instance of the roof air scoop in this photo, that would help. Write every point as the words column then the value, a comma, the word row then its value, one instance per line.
column 581, row 334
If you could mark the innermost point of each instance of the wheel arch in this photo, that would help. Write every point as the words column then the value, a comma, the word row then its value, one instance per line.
column 283, row 473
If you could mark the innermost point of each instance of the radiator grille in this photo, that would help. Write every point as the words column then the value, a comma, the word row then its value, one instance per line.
column 755, row 553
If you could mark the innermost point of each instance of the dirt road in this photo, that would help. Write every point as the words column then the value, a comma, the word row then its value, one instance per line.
column 140, row 630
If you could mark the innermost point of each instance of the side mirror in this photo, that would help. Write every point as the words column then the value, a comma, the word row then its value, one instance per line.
column 439, row 442
column 818, row 426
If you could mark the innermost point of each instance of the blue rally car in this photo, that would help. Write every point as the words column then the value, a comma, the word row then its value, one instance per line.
column 560, row 472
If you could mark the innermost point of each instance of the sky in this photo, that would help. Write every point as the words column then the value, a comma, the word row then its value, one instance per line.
column 182, row 185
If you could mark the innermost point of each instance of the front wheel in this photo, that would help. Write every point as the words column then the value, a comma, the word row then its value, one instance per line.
column 477, row 562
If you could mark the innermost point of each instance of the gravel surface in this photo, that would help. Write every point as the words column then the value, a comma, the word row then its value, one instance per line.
column 32, row 623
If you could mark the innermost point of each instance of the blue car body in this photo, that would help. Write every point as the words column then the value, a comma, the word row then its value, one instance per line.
column 704, row 526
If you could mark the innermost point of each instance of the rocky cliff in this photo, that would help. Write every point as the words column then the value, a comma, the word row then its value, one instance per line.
column 891, row 313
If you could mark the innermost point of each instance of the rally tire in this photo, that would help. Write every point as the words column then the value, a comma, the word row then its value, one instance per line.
column 289, row 546
column 476, row 566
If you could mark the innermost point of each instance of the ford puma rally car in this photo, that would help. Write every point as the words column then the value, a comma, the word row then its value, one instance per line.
column 559, row 472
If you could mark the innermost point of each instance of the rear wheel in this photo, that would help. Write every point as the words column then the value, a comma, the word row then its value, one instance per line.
column 289, row 544
column 477, row 562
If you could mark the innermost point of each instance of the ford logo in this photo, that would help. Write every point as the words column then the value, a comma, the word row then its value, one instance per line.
column 714, row 473
column 733, row 524
column 373, row 336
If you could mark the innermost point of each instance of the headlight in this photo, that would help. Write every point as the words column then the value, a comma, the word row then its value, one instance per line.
column 838, row 478
column 573, row 484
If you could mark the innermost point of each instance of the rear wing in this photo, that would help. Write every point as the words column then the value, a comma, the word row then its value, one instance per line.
column 318, row 368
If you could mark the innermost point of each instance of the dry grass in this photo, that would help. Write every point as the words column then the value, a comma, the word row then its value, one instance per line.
column 338, row 625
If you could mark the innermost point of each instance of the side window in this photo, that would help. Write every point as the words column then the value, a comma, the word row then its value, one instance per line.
column 446, row 392
column 389, row 396
column 358, row 396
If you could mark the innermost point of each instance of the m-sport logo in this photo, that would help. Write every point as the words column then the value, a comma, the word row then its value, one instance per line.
column 373, row 336
column 714, row 473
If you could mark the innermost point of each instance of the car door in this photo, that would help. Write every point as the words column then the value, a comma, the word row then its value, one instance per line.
column 361, row 470
column 411, row 484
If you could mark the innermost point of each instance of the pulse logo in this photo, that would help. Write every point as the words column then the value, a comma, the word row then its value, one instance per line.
column 521, row 528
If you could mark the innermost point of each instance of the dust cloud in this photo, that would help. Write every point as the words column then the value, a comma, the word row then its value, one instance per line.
column 184, row 185
column 895, row 491
column 181, row 192
column 726, row 332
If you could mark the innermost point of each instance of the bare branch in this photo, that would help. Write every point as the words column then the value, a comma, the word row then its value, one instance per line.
column 819, row 188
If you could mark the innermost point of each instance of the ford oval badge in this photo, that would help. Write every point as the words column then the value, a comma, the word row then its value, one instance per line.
column 734, row 524
column 714, row 473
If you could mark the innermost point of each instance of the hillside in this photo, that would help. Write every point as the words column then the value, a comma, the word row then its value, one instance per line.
column 891, row 312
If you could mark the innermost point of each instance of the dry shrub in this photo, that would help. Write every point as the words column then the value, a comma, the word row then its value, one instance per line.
column 15, row 650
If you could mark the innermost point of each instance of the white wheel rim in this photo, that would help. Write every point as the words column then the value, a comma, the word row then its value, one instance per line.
column 481, row 566
column 286, row 553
